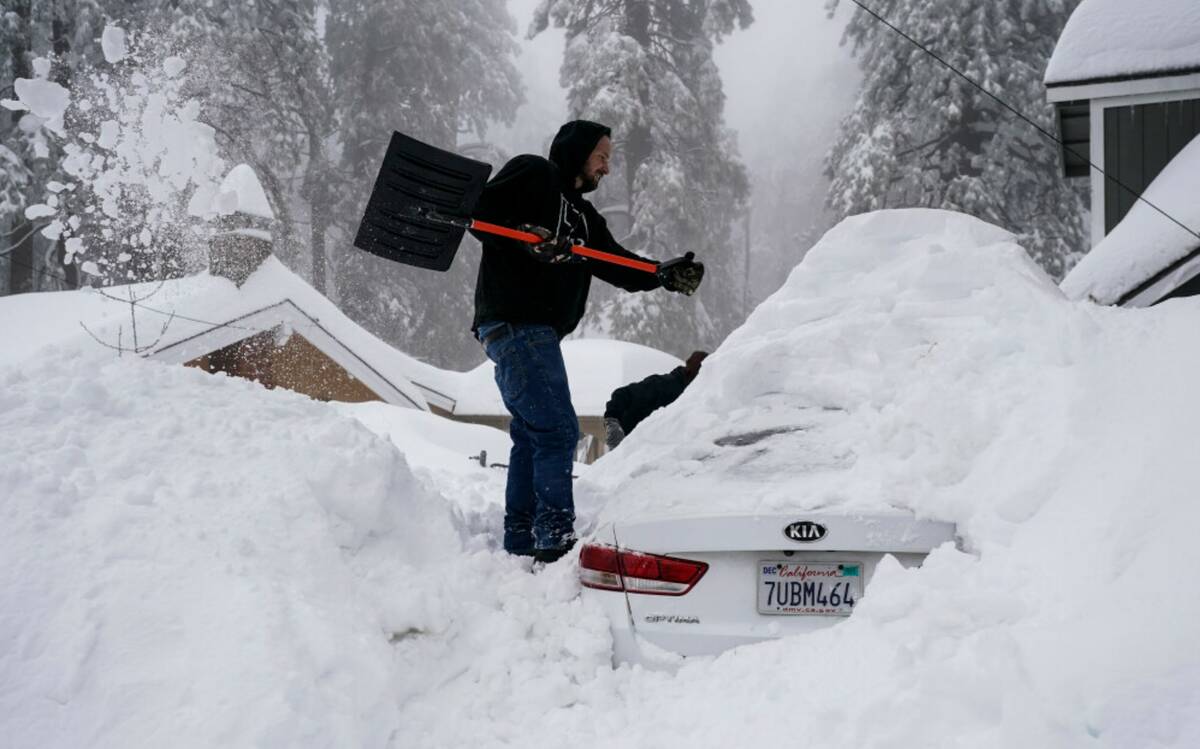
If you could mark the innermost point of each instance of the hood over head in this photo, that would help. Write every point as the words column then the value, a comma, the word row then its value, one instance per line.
column 572, row 146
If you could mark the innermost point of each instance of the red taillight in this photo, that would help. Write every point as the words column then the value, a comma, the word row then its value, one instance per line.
column 598, row 567
column 607, row 568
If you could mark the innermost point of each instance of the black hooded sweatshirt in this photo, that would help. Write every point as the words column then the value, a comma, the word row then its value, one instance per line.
column 512, row 286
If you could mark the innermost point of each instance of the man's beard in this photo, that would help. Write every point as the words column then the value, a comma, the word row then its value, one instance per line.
column 588, row 184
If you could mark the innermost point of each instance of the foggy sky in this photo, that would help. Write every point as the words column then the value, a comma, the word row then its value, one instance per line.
column 787, row 83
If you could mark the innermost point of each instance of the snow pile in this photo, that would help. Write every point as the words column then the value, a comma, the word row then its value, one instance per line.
column 878, row 375
column 932, row 366
column 193, row 560
column 192, row 557
column 445, row 455
column 1146, row 242
column 1109, row 38
column 918, row 359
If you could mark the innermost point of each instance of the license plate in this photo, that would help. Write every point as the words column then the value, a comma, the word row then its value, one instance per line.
column 809, row 588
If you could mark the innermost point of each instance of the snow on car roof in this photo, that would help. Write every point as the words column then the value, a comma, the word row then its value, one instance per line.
column 1107, row 39
column 892, row 356
column 1146, row 242
column 199, row 304
column 595, row 367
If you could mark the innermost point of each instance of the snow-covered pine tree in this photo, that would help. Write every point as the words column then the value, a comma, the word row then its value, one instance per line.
column 645, row 68
column 66, row 33
column 437, row 71
column 268, row 91
column 920, row 136
column 17, row 153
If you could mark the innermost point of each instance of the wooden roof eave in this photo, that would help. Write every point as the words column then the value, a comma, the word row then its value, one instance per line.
column 272, row 316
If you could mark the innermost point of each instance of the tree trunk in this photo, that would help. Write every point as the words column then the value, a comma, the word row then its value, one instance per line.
column 20, row 265
column 319, row 222
column 61, row 29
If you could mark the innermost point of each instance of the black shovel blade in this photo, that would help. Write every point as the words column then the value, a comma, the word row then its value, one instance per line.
column 415, row 179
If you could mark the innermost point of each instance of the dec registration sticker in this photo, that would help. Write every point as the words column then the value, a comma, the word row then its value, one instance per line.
column 820, row 589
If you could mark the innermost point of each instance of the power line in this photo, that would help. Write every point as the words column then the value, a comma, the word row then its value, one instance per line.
column 1024, row 117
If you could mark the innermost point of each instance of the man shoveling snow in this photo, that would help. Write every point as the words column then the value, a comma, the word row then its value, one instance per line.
column 530, row 296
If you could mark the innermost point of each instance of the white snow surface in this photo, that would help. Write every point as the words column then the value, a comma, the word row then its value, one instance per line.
column 190, row 560
column 241, row 192
column 595, row 368
column 1107, row 38
column 444, row 454
column 1145, row 242
column 178, row 547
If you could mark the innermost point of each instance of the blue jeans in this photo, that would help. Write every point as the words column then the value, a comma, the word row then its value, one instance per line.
column 539, row 509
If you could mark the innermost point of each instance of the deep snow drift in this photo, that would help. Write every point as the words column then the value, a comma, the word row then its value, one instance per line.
column 191, row 560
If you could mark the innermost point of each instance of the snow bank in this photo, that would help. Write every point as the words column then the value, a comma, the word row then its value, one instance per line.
column 445, row 455
column 892, row 358
column 924, row 362
column 193, row 560
column 1146, row 242
column 1109, row 38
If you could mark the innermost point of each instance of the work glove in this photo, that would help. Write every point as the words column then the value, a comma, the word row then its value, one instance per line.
column 613, row 433
column 682, row 275
column 552, row 249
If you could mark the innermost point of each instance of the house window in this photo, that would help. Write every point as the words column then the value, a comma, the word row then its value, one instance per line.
column 1139, row 141
column 1074, row 129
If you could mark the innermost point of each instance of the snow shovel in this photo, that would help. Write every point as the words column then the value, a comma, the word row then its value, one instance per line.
column 421, row 207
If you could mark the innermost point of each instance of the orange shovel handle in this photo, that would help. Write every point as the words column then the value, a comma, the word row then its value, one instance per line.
column 531, row 238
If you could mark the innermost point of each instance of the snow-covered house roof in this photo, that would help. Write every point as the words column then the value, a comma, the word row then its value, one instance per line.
column 595, row 367
column 205, row 313
column 1147, row 255
column 1113, row 40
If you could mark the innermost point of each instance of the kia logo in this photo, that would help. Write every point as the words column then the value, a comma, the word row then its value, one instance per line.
column 805, row 530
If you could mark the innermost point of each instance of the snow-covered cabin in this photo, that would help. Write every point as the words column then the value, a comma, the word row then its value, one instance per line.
column 273, row 328
column 248, row 316
column 1125, row 79
column 595, row 368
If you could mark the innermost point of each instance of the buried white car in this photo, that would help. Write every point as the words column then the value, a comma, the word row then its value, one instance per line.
column 830, row 430
column 701, row 585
